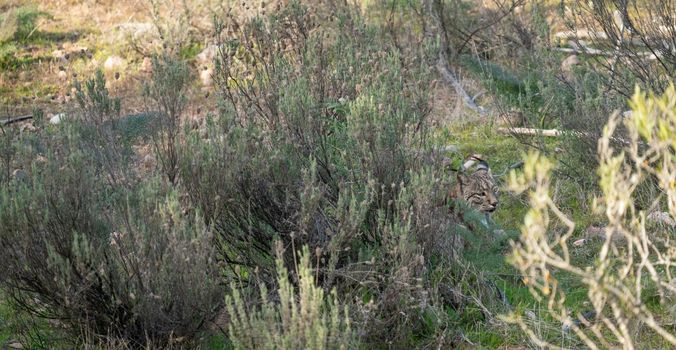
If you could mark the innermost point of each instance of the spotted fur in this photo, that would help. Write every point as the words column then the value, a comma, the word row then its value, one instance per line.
column 478, row 188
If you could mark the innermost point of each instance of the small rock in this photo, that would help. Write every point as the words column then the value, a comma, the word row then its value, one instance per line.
column 62, row 75
column 57, row 118
column 662, row 218
column 113, row 62
column 580, row 242
column 15, row 345
column 531, row 315
column 569, row 62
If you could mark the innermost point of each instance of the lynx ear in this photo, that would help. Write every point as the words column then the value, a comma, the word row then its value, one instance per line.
column 483, row 166
column 471, row 160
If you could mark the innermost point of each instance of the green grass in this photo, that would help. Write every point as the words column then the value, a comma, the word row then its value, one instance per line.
column 215, row 341
column 5, row 315
column 31, row 332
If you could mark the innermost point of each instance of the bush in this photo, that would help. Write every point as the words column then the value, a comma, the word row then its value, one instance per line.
column 633, row 258
column 112, row 259
column 318, row 144
column 99, row 129
column 314, row 321
column 297, row 151
column 637, row 36
column 167, row 97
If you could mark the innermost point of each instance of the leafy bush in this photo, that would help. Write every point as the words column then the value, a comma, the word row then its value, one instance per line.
column 297, row 148
column 112, row 259
column 167, row 91
column 318, row 144
column 636, row 36
column 314, row 321
column 634, row 258
column 99, row 131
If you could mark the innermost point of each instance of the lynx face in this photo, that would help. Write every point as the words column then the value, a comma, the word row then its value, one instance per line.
column 478, row 189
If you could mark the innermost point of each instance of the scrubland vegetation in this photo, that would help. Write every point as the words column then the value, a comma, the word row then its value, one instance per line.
column 277, row 175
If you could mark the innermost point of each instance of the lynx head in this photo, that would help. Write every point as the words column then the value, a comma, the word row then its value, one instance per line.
column 478, row 188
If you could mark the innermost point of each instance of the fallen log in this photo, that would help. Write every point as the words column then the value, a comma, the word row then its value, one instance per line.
column 556, row 133
column 581, row 34
column 15, row 119
column 664, row 33
column 531, row 132
column 600, row 36
column 596, row 52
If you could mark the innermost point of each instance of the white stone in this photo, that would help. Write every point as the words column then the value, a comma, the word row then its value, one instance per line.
column 531, row 315
column 57, row 118
column 113, row 62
